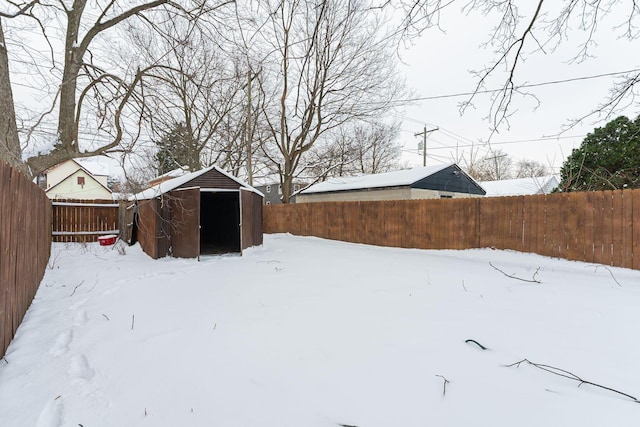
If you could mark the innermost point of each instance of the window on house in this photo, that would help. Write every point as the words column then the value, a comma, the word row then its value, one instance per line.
column 81, row 180
column 268, row 189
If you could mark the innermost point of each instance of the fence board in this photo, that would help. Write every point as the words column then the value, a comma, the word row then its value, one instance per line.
column 25, row 243
column 635, row 229
column 601, row 227
column 84, row 220
column 617, row 225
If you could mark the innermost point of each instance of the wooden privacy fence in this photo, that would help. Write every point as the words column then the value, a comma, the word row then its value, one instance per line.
column 600, row 227
column 25, row 245
column 83, row 220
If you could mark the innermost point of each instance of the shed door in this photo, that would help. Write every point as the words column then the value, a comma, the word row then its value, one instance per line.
column 246, row 219
column 185, row 222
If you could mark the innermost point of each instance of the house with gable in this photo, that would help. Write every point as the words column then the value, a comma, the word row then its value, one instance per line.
column 74, row 179
column 431, row 182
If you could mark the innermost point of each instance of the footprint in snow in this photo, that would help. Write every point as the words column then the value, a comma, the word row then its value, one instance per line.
column 80, row 368
column 75, row 305
column 52, row 414
column 62, row 343
column 81, row 318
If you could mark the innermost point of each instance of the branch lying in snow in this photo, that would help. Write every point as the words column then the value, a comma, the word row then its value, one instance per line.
column 5, row 360
column 476, row 343
column 74, row 289
column 513, row 276
column 571, row 376
column 610, row 272
column 444, row 384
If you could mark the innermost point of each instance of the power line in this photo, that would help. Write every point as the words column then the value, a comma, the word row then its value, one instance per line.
column 524, row 86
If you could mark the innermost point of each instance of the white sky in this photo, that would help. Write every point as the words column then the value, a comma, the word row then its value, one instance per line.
column 439, row 64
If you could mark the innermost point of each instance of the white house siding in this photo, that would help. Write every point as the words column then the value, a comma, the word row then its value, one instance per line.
column 356, row 196
column 417, row 193
column 60, row 172
column 70, row 189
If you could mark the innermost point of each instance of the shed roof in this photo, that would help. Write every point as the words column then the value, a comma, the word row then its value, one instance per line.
column 380, row 180
column 521, row 186
column 174, row 183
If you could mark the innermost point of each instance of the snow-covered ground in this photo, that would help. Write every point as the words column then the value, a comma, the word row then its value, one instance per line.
column 311, row 332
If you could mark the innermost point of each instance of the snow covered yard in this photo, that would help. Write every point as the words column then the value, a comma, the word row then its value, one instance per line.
column 310, row 332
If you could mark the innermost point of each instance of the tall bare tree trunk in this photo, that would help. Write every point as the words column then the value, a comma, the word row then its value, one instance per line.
column 67, row 133
column 9, row 141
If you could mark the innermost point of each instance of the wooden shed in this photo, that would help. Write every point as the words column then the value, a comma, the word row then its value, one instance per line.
column 204, row 212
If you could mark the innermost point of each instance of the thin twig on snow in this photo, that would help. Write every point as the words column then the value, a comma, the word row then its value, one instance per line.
column 74, row 289
column 513, row 276
column 444, row 384
column 571, row 376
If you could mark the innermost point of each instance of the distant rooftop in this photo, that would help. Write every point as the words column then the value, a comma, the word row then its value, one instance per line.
column 521, row 186
column 379, row 180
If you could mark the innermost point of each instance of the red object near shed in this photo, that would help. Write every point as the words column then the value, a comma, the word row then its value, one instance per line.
column 107, row 240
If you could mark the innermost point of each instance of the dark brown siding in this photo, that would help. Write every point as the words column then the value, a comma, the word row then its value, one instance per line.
column 25, row 246
column 184, row 208
column 601, row 227
column 147, row 226
column 251, row 233
column 212, row 179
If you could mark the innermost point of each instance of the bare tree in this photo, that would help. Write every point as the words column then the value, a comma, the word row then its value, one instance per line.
column 335, row 66
column 353, row 150
column 10, row 150
column 200, row 90
column 530, row 169
column 494, row 166
column 527, row 29
column 378, row 150
column 90, row 97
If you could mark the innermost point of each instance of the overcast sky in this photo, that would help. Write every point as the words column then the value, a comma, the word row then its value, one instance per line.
column 439, row 64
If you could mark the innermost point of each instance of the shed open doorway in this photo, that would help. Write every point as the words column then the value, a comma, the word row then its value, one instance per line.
column 219, row 222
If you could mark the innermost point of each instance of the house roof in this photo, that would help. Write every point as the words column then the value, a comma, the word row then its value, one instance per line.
column 521, row 186
column 171, row 174
column 95, row 165
column 380, row 180
column 174, row 183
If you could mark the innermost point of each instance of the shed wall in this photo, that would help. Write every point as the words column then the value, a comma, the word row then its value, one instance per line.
column 147, row 224
column 251, row 219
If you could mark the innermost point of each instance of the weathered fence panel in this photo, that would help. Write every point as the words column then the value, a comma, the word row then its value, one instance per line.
column 601, row 227
column 83, row 220
column 25, row 245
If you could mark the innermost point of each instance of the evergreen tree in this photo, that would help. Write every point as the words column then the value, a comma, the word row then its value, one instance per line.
column 608, row 159
column 174, row 150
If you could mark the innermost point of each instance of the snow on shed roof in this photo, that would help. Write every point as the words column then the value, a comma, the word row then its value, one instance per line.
column 521, row 186
column 379, row 180
column 174, row 183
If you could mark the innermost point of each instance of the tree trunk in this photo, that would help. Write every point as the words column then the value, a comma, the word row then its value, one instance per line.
column 9, row 141
column 67, row 132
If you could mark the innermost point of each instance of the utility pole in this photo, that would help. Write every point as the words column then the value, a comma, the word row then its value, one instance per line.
column 424, row 143
column 249, row 129
column 495, row 161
